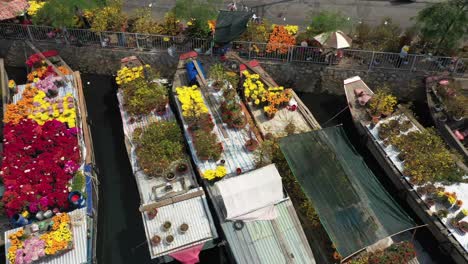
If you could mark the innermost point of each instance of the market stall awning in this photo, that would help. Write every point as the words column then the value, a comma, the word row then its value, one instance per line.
column 352, row 205
column 252, row 196
column 12, row 8
column 230, row 25
column 336, row 39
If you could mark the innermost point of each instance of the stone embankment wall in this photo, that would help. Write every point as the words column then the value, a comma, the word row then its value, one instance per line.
column 303, row 77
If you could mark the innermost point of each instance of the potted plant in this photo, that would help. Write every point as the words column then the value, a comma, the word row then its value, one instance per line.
column 152, row 213
column 457, row 107
column 382, row 103
column 170, row 176
column 183, row 228
column 430, row 189
column 217, row 74
column 207, row 145
column 430, row 201
column 462, row 214
column 167, row 225
column 169, row 239
column 251, row 144
column 442, row 213
column 463, row 225
column 401, row 156
column 457, row 205
column 442, row 118
column 182, row 167
column 421, row 190
column 155, row 240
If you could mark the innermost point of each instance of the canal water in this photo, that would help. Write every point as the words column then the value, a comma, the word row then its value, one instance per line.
column 121, row 237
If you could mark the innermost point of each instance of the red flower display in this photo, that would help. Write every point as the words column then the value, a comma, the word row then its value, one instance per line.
column 36, row 58
column 38, row 163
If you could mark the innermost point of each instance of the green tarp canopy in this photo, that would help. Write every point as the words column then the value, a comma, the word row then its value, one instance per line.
column 352, row 205
column 230, row 25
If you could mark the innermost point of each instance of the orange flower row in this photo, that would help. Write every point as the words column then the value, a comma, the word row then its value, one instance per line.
column 15, row 112
column 280, row 40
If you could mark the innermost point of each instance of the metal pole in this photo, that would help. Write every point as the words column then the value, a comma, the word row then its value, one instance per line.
column 291, row 53
column 456, row 66
column 371, row 61
column 136, row 39
column 29, row 33
column 414, row 62
column 250, row 48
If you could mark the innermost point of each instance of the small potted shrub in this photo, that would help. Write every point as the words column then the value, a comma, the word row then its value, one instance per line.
column 182, row 167
column 170, row 176
column 167, row 225
column 217, row 74
column 382, row 103
column 458, row 204
column 183, row 228
column 442, row 213
column 155, row 240
column 152, row 213
column 463, row 225
column 251, row 144
column 169, row 239
column 462, row 214
column 430, row 189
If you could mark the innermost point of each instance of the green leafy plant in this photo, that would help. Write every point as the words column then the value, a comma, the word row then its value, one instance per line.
column 78, row 181
column 257, row 32
column 143, row 22
column 142, row 96
column 327, row 21
column 158, row 145
column 217, row 73
column 382, row 102
column 109, row 18
column 59, row 13
column 197, row 13
column 207, row 145
column 443, row 24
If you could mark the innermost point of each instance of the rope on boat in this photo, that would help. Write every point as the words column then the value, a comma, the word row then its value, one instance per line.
column 335, row 115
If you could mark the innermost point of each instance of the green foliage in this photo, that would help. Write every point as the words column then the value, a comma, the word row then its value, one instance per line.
column 109, row 18
column 257, row 32
column 444, row 24
column 327, row 21
column 142, row 96
column 197, row 12
column 206, row 144
column 158, row 145
column 78, row 182
column 61, row 13
column 143, row 22
column 383, row 37
column 217, row 72
column 426, row 157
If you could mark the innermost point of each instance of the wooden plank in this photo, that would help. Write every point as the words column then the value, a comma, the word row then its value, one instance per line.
column 84, row 118
column 172, row 200
column 200, row 73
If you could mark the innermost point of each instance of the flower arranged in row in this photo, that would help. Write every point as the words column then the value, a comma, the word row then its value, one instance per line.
column 219, row 172
column 291, row 29
column 192, row 101
column 36, row 165
column 16, row 112
column 254, row 89
column 29, row 248
column 46, row 109
column 43, row 71
column 126, row 75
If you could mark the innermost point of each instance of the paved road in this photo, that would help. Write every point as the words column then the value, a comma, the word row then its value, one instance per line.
column 299, row 11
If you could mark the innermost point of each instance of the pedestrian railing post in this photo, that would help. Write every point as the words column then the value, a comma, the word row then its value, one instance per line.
column 290, row 53
column 250, row 49
column 29, row 33
column 371, row 61
column 136, row 40
column 101, row 39
column 413, row 63
column 455, row 69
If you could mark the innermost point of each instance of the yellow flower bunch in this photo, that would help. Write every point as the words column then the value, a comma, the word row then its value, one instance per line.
column 62, row 109
column 11, row 84
column 253, row 87
column 219, row 172
column 126, row 75
column 60, row 236
column 166, row 39
column 292, row 29
column 16, row 244
column 34, row 6
column 192, row 101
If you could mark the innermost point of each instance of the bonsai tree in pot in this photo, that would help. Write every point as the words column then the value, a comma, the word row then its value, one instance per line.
column 217, row 73
column 251, row 144
column 207, row 145
column 382, row 103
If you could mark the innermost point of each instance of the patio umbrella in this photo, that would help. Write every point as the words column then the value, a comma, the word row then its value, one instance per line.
column 336, row 39
column 12, row 8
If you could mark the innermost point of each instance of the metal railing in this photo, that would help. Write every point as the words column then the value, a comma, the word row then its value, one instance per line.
column 347, row 58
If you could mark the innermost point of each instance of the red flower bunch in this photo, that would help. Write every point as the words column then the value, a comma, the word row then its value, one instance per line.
column 38, row 163
column 36, row 58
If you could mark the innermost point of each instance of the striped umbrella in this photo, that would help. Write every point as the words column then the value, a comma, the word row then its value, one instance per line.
column 12, row 8
column 336, row 39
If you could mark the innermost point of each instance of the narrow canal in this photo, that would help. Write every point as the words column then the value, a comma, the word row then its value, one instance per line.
column 324, row 106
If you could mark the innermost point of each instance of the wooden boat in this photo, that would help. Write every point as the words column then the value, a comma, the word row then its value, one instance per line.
column 450, row 130
column 363, row 122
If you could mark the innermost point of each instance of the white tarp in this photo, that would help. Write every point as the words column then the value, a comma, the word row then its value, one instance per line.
column 252, row 196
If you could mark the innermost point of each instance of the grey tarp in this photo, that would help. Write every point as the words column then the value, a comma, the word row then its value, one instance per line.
column 352, row 205
column 230, row 25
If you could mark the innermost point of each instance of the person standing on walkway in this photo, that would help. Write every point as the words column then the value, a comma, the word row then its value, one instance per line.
column 403, row 55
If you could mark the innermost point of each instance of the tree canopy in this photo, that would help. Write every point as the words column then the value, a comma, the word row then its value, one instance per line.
column 61, row 13
column 444, row 24
column 327, row 21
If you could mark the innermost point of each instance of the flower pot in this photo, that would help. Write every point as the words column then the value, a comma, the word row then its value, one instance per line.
column 430, row 202
column 454, row 222
column 169, row 239
column 182, row 168
column 401, row 157
column 460, row 216
column 183, row 228
column 170, row 176
column 457, row 118
column 463, row 226
column 421, row 190
column 251, row 144
column 48, row 214
column 438, row 107
column 269, row 116
column 239, row 171
column 76, row 199
column 442, row 118
column 375, row 119
column 155, row 240
column 152, row 213
column 19, row 221
column 166, row 226
column 40, row 215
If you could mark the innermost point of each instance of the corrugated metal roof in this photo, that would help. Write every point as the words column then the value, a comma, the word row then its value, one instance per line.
column 275, row 242
column 194, row 212
column 78, row 254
